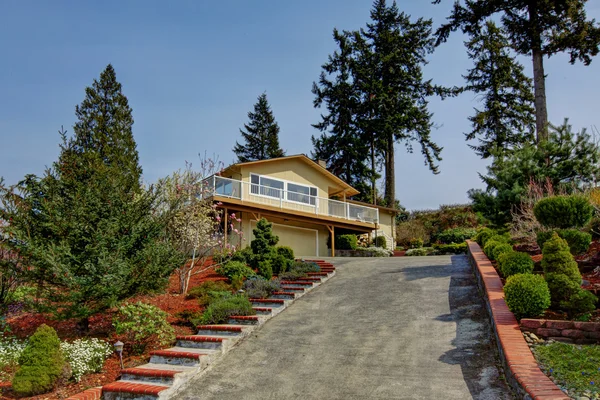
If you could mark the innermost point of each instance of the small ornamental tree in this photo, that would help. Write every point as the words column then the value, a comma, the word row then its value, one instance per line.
column 41, row 363
column 263, row 247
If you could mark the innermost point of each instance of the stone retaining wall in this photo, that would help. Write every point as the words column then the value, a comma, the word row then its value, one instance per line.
column 563, row 331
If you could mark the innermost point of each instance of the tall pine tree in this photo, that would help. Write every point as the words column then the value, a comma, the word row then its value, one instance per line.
column 261, row 136
column 341, row 143
column 536, row 28
column 506, row 120
column 87, row 228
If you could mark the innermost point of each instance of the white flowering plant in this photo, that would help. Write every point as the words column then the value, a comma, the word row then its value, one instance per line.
column 375, row 251
column 85, row 355
column 10, row 351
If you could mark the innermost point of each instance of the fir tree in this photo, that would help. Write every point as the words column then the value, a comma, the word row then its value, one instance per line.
column 341, row 143
column 87, row 228
column 536, row 28
column 261, row 136
column 507, row 118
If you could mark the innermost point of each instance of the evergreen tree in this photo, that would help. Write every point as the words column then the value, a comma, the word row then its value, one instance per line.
column 391, row 53
column 87, row 228
column 507, row 118
column 536, row 28
column 567, row 159
column 261, row 136
column 341, row 143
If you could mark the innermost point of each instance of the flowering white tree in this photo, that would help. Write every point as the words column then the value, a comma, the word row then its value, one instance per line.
column 195, row 220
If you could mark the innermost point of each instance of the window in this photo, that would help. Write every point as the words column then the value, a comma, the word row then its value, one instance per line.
column 264, row 186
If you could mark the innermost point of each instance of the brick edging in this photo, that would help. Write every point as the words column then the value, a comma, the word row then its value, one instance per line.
column 90, row 394
column 521, row 368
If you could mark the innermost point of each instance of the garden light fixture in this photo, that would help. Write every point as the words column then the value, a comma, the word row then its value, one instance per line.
column 119, row 349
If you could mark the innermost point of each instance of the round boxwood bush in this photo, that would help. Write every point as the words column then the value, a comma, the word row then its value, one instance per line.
column 501, row 249
column 526, row 295
column 346, row 242
column 41, row 363
column 558, row 259
column 580, row 302
column 455, row 235
column 285, row 251
column 235, row 269
column 579, row 242
column 489, row 246
column 515, row 262
column 380, row 241
column 483, row 235
column 563, row 211
column 561, row 288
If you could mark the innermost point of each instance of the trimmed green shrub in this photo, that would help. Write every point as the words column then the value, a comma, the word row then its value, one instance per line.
column 143, row 324
column 453, row 248
column 285, row 251
column 260, row 288
column 416, row 252
column 489, row 246
column 219, row 311
column 233, row 269
column 526, row 295
column 456, row 235
column 579, row 242
column 563, row 211
column 504, row 238
column 558, row 259
column 265, row 269
column 483, row 235
column 580, row 302
column 416, row 243
column 203, row 291
column 515, row 262
column 380, row 241
column 594, row 227
column 244, row 255
column 263, row 247
column 501, row 249
column 561, row 288
column 346, row 242
column 279, row 263
column 41, row 362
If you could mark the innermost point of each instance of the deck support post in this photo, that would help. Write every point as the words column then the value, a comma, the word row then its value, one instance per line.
column 332, row 232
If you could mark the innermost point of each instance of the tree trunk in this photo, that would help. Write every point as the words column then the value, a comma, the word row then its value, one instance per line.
column 539, row 79
column 373, row 166
column 390, row 173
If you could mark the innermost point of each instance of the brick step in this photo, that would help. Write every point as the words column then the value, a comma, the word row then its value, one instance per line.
column 287, row 288
column 244, row 320
column 212, row 342
column 283, row 295
column 323, row 274
column 187, row 357
column 297, row 283
column 315, row 279
column 89, row 394
column 223, row 330
column 151, row 375
column 131, row 390
column 271, row 302
column 263, row 310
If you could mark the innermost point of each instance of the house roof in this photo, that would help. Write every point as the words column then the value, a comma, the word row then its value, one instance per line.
column 345, row 188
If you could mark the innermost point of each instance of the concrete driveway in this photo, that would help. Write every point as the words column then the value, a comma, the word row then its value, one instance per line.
column 382, row 328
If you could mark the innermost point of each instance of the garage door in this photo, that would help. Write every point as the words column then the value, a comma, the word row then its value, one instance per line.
column 302, row 240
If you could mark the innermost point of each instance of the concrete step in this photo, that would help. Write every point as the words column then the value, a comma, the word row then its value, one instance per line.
column 163, row 376
column 323, row 274
column 244, row 320
column 209, row 342
column 188, row 357
column 283, row 295
column 268, row 302
column 316, row 279
column 298, row 283
column 223, row 330
column 131, row 390
column 263, row 310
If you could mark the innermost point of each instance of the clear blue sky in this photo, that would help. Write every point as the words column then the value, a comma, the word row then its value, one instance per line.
column 193, row 69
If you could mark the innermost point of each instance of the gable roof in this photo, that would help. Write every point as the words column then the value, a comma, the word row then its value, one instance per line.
column 345, row 188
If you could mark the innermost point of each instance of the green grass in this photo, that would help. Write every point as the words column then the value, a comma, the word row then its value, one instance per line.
column 575, row 367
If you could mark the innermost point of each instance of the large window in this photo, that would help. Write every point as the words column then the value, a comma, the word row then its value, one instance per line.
column 264, row 186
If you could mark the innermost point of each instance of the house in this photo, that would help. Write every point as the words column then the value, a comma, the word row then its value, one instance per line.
column 306, row 204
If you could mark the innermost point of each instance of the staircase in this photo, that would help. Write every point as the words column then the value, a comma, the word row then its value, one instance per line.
column 170, row 368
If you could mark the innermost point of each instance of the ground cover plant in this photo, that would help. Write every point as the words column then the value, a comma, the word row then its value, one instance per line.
column 219, row 311
column 573, row 367
column 143, row 325
column 260, row 288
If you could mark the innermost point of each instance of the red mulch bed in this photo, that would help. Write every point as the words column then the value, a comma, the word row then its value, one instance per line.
column 23, row 324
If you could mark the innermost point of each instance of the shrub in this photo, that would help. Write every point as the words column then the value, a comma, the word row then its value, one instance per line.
column 526, row 295
column 504, row 238
column 579, row 242
column 561, row 288
column 286, row 252
column 580, row 302
column 299, row 269
column 260, row 288
column 558, row 259
column 265, row 269
column 41, row 363
column 346, row 242
column 375, row 251
column 86, row 355
column 203, row 291
column 515, row 262
column 416, row 243
column 594, row 227
column 453, row 248
column 380, row 241
column 263, row 244
column 483, row 235
column 416, row 252
column 501, row 249
column 219, row 311
column 456, row 235
column 563, row 211
column 233, row 269
column 411, row 230
column 279, row 263
column 489, row 246
column 143, row 324
column 244, row 255
column 10, row 351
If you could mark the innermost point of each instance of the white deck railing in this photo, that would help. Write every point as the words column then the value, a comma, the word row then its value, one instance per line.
column 284, row 199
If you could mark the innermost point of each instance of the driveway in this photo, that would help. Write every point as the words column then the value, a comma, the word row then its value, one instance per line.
column 382, row 328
